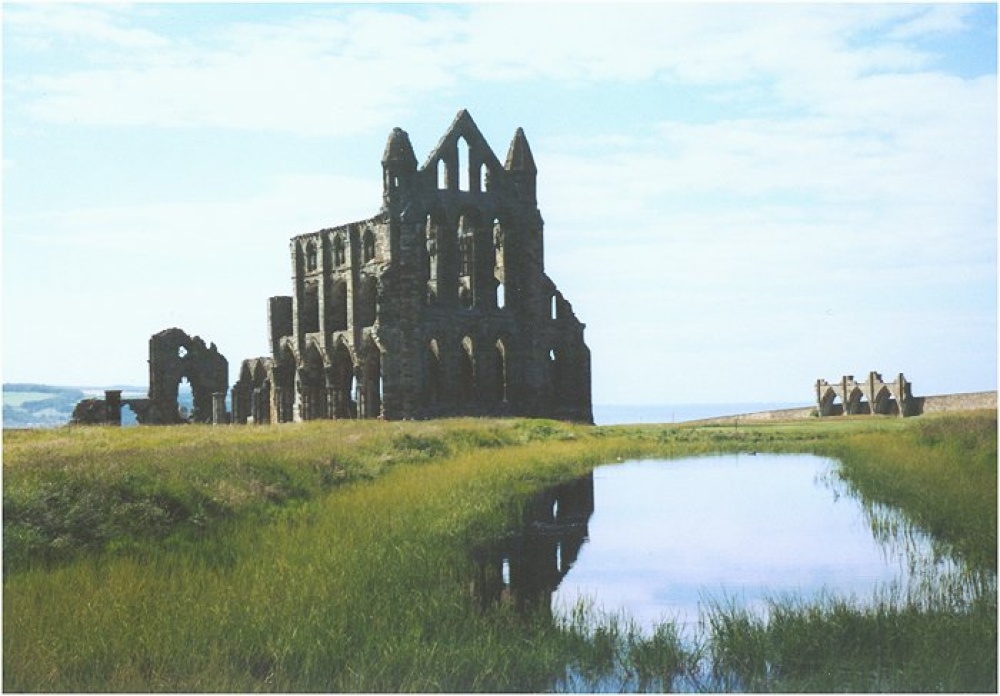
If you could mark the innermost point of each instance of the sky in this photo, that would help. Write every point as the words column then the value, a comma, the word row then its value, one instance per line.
column 738, row 198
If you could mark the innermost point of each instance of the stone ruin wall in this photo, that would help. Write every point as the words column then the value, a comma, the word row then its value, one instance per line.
column 957, row 402
column 173, row 356
column 437, row 306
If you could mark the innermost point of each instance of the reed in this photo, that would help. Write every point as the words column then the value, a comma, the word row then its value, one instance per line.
column 942, row 471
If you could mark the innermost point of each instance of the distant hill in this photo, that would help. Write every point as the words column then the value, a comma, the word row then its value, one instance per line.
column 38, row 405
column 28, row 405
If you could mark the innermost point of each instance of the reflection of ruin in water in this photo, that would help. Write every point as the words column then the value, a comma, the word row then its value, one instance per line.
column 527, row 567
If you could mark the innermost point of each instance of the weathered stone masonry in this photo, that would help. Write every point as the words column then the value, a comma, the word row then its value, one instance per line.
column 438, row 305
column 173, row 356
column 873, row 396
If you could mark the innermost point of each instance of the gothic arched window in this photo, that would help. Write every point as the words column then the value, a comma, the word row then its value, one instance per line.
column 339, row 257
column 311, row 257
column 368, row 246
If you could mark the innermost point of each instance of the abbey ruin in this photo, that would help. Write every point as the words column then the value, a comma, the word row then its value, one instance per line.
column 173, row 356
column 439, row 305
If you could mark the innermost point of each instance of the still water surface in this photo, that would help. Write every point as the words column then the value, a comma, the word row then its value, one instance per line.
column 665, row 537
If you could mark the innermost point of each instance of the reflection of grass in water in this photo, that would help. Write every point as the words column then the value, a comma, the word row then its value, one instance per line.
column 611, row 654
column 333, row 556
column 930, row 567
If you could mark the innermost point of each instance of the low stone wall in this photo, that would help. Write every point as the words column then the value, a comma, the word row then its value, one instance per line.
column 923, row 404
column 781, row 414
column 958, row 402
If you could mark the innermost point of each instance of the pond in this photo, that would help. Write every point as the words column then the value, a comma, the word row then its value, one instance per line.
column 661, row 539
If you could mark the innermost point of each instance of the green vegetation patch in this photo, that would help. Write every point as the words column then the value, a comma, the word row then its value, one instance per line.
column 335, row 556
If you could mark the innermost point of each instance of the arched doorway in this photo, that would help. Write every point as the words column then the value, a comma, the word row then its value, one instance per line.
column 467, row 372
column 312, row 385
column 500, row 381
column 284, row 385
column 342, row 383
column 371, row 381
column 434, row 391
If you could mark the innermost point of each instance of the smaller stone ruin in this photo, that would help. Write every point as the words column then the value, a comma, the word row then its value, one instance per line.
column 173, row 357
column 108, row 411
column 872, row 396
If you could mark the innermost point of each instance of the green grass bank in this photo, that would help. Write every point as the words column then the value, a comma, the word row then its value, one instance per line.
column 334, row 556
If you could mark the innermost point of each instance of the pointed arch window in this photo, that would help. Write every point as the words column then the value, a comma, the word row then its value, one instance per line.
column 498, row 263
column 465, row 250
column 467, row 371
column 339, row 255
column 343, row 384
column 442, row 175
column 310, row 309
column 371, row 386
column 368, row 245
column 311, row 257
column 500, row 372
column 312, row 385
column 432, row 249
column 464, row 167
column 432, row 261
column 338, row 307
column 367, row 308
column 433, row 372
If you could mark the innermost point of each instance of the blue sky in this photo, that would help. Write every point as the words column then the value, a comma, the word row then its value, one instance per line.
column 738, row 199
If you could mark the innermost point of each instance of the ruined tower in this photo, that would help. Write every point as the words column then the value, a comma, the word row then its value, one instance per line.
column 439, row 305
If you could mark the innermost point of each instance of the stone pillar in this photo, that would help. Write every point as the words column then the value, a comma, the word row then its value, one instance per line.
column 331, row 402
column 236, row 395
column 218, row 408
column 255, row 404
column 279, row 402
column 359, row 397
column 901, row 396
column 871, row 392
column 113, row 407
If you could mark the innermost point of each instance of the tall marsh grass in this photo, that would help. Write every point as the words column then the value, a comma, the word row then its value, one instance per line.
column 942, row 471
column 335, row 557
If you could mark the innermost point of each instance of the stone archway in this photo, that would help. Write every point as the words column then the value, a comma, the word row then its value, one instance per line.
column 284, row 385
column 370, row 403
column 312, row 385
column 341, row 383
column 174, row 356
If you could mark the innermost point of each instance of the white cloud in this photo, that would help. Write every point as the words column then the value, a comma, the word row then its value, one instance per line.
column 350, row 69
column 41, row 26
column 331, row 73
column 935, row 19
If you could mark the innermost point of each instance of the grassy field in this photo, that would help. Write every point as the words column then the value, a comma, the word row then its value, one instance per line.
column 335, row 556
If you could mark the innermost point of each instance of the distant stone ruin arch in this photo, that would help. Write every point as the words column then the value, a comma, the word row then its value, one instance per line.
column 173, row 356
column 873, row 396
